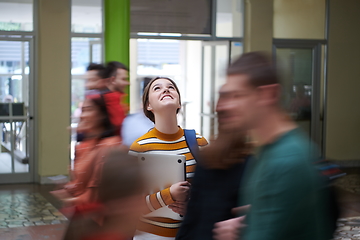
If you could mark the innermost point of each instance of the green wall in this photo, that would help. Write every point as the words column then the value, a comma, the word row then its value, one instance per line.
column 117, row 31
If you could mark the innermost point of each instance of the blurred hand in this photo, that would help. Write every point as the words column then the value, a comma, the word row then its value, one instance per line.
column 178, row 207
column 229, row 229
column 61, row 194
column 180, row 191
column 243, row 210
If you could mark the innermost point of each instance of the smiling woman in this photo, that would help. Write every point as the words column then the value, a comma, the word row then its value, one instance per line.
column 160, row 87
column 161, row 103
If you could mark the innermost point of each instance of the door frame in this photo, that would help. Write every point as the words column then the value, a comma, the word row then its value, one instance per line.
column 212, row 115
column 29, row 176
column 316, row 112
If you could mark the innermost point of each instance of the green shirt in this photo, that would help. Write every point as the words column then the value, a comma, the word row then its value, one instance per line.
column 283, row 188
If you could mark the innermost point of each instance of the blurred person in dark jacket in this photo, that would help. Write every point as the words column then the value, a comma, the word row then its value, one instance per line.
column 214, row 191
column 280, row 182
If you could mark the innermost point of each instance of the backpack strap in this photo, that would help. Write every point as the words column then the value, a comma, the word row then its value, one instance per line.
column 190, row 138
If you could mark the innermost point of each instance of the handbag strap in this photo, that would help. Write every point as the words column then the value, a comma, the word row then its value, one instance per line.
column 190, row 138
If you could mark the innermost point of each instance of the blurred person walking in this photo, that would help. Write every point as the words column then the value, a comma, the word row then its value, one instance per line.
column 161, row 103
column 99, row 138
column 110, row 82
column 281, row 183
column 214, row 189
column 116, row 76
column 94, row 78
column 119, row 202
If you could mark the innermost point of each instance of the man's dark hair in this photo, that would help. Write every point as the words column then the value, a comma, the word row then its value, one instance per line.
column 257, row 65
column 112, row 67
column 99, row 68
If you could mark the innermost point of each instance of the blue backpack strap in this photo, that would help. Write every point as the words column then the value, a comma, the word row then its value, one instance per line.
column 190, row 138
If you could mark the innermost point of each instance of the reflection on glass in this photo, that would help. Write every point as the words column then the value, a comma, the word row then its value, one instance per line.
column 86, row 16
column 16, row 15
column 229, row 18
column 295, row 67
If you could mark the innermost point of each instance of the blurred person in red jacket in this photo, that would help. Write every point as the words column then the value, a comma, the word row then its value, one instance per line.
column 116, row 77
column 110, row 82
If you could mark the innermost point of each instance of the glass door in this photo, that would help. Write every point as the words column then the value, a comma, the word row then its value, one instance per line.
column 215, row 59
column 16, row 162
column 299, row 64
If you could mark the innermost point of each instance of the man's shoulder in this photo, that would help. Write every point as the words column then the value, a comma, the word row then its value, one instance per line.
column 293, row 152
column 293, row 144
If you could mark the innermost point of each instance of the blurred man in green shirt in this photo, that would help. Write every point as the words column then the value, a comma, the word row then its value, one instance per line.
column 281, row 184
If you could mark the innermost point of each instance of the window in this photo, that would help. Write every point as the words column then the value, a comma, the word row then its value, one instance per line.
column 86, row 47
column 16, row 15
column 86, row 16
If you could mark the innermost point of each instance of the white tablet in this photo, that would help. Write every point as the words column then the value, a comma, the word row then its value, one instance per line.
column 161, row 171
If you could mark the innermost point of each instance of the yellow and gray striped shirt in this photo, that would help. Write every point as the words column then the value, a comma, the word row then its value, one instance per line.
column 157, row 142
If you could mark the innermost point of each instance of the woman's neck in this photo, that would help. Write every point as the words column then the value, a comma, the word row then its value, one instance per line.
column 166, row 123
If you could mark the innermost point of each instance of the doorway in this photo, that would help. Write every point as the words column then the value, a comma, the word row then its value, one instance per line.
column 300, row 67
column 16, row 111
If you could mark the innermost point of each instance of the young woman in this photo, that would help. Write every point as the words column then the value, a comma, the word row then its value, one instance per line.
column 99, row 139
column 161, row 103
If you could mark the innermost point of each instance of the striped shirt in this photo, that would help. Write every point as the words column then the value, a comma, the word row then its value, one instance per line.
column 157, row 142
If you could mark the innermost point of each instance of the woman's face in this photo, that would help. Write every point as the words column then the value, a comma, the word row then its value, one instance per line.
column 90, row 118
column 163, row 96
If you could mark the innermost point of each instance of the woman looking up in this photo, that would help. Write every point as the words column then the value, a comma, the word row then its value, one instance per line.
column 161, row 103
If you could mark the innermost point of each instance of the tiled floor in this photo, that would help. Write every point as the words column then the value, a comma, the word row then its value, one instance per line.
column 27, row 209
column 33, row 206
column 348, row 228
column 350, row 183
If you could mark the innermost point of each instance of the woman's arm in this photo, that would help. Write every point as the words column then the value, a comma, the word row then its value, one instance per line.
column 177, row 192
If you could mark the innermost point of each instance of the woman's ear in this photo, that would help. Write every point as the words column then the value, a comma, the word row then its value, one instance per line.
column 149, row 108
